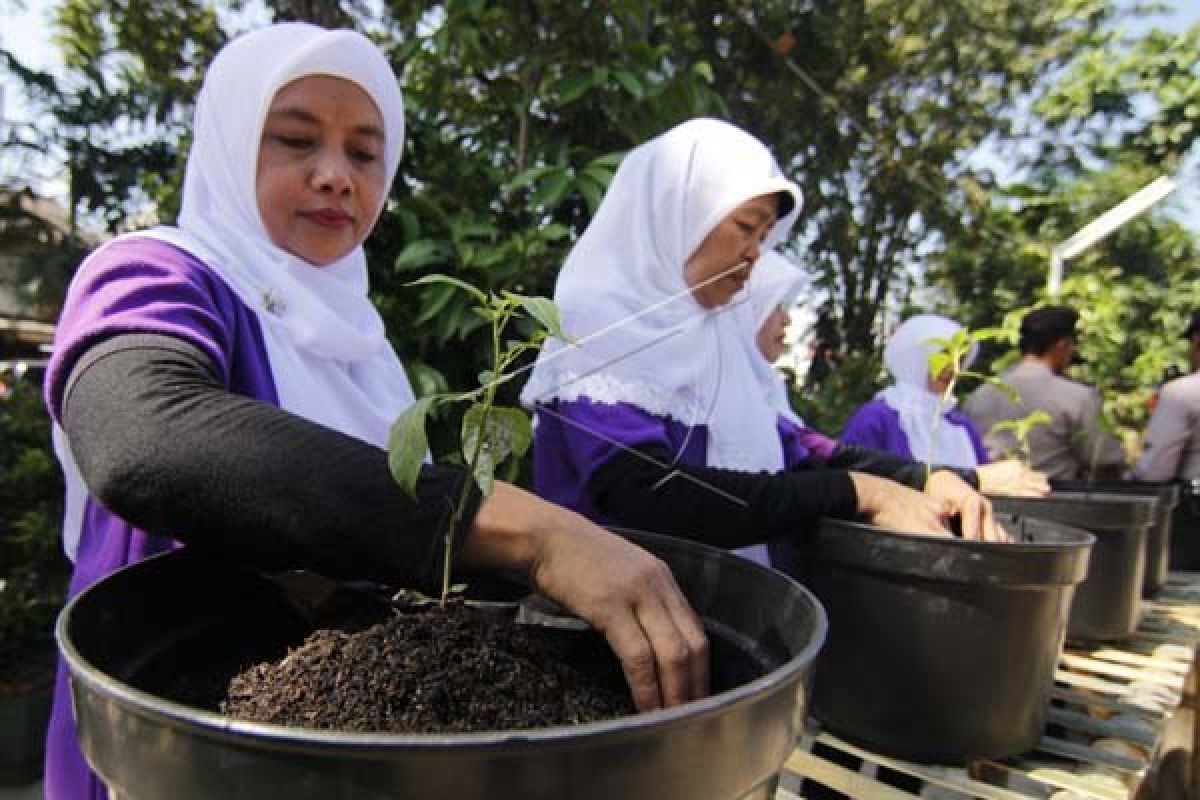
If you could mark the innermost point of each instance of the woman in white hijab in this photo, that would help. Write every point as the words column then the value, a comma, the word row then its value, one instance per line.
column 227, row 382
column 653, row 416
column 908, row 418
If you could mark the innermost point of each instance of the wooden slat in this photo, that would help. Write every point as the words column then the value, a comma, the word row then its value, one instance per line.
column 1153, row 712
column 953, row 778
column 840, row 779
column 1116, row 728
column 1178, row 667
column 1087, row 786
column 1090, row 755
column 1099, row 667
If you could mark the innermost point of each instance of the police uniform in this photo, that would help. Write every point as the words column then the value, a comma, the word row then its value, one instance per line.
column 1072, row 445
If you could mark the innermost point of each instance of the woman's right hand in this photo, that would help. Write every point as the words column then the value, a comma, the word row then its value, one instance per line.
column 896, row 507
column 621, row 590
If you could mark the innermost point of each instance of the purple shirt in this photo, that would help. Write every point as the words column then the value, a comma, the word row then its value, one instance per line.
column 877, row 425
column 572, row 440
column 138, row 286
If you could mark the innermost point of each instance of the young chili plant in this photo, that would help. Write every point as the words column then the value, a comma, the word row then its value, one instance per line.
column 490, row 434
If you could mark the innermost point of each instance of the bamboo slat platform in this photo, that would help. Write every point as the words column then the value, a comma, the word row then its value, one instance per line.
column 1109, row 712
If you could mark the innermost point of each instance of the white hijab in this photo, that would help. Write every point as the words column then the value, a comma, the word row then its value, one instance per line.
column 906, row 356
column 775, row 283
column 329, row 356
column 641, row 337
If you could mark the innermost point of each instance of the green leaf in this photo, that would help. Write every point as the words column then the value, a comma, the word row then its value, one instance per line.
column 545, row 312
column 572, row 87
column 704, row 71
column 629, row 81
column 408, row 445
column 609, row 161
column 552, row 189
column 509, row 432
column 446, row 279
column 529, row 177
column 938, row 362
column 438, row 299
column 426, row 380
column 421, row 253
column 592, row 192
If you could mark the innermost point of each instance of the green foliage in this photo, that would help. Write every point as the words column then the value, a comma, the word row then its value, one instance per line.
column 33, row 571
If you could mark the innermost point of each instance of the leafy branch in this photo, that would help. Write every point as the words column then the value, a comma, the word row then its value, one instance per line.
column 490, row 434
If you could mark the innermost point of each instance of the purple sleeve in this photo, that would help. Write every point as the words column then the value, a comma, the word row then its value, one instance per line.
column 573, row 440
column 138, row 286
column 868, row 426
column 802, row 445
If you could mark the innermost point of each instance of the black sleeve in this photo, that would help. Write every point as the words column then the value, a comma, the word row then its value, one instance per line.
column 160, row 442
column 887, row 465
column 720, row 507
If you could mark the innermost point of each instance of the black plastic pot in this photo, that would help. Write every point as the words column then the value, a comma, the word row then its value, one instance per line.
column 23, row 719
column 1158, row 540
column 1185, row 529
column 177, row 610
column 940, row 650
column 1107, row 605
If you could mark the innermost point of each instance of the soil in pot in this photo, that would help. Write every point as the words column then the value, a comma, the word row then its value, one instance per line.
column 436, row 670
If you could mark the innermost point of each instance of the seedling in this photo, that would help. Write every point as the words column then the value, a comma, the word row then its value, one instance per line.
column 1020, row 430
column 949, row 357
column 490, row 434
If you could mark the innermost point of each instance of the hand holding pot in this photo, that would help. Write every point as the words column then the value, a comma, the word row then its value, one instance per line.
column 1011, row 477
column 621, row 590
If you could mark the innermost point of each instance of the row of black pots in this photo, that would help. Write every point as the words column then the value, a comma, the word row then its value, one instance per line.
column 940, row 650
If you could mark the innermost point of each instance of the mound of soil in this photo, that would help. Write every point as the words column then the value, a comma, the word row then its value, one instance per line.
column 438, row 670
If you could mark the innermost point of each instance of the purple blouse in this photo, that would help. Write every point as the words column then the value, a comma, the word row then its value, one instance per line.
column 877, row 425
column 138, row 286
column 572, row 440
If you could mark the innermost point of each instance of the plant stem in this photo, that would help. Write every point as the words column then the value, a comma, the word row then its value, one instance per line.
column 488, row 400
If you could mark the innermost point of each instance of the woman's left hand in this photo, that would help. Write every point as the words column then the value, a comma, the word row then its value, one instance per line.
column 973, row 509
column 1011, row 477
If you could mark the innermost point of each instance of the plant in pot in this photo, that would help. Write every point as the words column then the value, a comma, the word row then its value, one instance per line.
column 33, row 578
column 764, row 632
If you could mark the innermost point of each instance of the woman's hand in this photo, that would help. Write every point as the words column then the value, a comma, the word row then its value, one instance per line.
column 973, row 509
column 620, row 589
column 896, row 507
column 1011, row 477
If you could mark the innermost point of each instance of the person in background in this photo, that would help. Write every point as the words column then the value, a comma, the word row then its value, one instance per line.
column 1073, row 445
column 227, row 384
column 1171, row 448
column 652, row 416
column 769, row 295
column 910, row 418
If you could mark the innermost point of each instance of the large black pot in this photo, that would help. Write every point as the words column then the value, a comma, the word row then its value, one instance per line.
column 1158, row 541
column 175, row 611
column 1185, row 529
column 940, row 650
column 1108, row 604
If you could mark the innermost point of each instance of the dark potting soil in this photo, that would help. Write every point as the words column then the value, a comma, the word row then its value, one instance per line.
column 437, row 670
